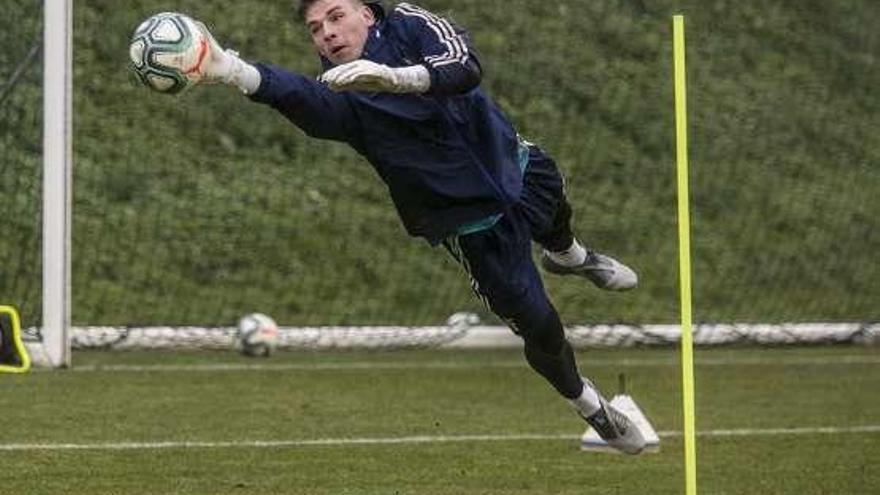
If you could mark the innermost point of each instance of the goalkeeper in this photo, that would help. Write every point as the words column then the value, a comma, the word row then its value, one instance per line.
column 402, row 88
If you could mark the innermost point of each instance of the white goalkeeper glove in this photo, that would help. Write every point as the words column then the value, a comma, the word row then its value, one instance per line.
column 364, row 75
column 221, row 66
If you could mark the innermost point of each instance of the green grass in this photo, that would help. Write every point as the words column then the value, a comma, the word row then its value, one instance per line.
column 113, row 398
column 196, row 210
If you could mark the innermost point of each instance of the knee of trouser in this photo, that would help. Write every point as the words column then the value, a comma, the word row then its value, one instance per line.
column 529, row 316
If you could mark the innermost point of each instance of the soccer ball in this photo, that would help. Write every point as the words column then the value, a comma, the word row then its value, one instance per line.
column 166, row 52
column 257, row 335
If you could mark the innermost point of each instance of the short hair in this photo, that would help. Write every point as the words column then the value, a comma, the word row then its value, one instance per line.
column 374, row 5
column 304, row 6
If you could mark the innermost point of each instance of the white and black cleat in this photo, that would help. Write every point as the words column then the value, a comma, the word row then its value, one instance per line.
column 616, row 429
column 604, row 271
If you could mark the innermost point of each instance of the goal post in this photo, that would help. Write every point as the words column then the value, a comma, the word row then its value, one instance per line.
column 57, row 178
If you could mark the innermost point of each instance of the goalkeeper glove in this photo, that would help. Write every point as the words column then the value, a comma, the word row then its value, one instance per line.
column 224, row 66
column 364, row 75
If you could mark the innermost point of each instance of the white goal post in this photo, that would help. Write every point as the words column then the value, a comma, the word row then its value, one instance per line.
column 57, row 178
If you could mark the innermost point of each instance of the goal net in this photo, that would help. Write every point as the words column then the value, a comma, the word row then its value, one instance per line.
column 21, row 179
column 189, row 212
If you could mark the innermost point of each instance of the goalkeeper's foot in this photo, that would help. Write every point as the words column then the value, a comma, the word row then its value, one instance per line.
column 603, row 271
column 614, row 427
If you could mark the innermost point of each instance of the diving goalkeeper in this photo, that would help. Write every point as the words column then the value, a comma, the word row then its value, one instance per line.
column 402, row 87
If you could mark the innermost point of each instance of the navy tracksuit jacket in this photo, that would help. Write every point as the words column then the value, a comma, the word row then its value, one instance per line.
column 449, row 157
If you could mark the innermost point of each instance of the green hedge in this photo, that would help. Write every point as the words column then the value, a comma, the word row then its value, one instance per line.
column 196, row 209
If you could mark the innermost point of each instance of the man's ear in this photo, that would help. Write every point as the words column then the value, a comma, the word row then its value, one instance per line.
column 368, row 14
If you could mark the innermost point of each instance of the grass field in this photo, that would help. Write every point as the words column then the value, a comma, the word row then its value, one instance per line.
column 770, row 421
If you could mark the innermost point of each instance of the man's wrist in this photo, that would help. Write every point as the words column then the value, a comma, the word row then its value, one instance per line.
column 242, row 74
column 412, row 79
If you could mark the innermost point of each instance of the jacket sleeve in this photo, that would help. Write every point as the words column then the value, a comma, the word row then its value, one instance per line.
column 311, row 106
column 445, row 49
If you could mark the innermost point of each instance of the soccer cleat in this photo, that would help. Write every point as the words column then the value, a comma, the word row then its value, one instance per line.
column 604, row 271
column 615, row 427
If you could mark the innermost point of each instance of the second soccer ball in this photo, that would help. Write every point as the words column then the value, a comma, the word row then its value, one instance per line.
column 257, row 335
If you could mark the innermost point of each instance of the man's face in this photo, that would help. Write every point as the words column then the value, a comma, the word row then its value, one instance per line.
column 339, row 28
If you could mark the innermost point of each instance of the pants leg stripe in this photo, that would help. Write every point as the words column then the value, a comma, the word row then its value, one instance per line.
column 453, row 245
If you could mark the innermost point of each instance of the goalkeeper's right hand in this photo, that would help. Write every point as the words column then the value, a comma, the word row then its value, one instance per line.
column 224, row 66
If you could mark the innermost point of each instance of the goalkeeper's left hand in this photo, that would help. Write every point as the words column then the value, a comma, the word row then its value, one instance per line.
column 364, row 75
column 217, row 66
column 224, row 66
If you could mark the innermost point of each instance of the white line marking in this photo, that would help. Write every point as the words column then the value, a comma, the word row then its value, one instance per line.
column 625, row 362
column 333, row 442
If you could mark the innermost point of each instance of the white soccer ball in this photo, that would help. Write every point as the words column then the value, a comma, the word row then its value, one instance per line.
column 167, row 51
column 257, row 335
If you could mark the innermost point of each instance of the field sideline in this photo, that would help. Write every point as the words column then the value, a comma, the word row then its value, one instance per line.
column 421, row 439
column 785, row 420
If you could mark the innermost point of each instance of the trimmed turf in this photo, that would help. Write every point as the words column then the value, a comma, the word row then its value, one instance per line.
column 116, row 398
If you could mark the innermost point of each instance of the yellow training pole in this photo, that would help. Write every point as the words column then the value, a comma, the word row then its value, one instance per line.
column 684, row 258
